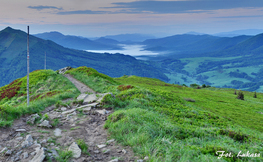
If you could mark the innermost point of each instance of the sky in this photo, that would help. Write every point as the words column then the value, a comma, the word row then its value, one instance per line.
column 95, row 18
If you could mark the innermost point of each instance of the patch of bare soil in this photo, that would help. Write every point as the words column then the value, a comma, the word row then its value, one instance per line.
column 61, row 129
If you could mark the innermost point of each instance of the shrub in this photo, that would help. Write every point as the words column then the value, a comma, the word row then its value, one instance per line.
column 240, row 95
column 237, row 136
column 203, row 86
column 189, row 99
column 194, row 85
column 123, row 87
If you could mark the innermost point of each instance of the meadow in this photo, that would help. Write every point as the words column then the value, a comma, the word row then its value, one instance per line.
column 166, row 122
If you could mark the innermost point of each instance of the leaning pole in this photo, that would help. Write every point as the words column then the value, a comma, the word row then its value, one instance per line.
column 27, row 65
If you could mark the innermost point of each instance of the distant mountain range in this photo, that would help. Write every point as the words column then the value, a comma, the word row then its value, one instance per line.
column 234, row 33
column 193, row 44
column 80, row 43
column 13, row 52
column 130, row 38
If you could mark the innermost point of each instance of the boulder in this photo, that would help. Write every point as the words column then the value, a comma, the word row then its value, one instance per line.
column 75, row 150
column 63, row 70
column 45, row 123
column 82, row 96
column 90, row 98
column 28, row 141
column 40, row 156
column 57, row 132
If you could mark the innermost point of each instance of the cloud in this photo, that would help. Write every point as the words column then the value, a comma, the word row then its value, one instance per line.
column 235, row 17
column 190, row 6
column 82, row 12
column 40, row 7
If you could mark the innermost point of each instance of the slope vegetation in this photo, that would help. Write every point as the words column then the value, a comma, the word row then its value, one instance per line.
column 46, row 88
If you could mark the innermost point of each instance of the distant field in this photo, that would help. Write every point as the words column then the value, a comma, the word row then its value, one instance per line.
column 212, row 76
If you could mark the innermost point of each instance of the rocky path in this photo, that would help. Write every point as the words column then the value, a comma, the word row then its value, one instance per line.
column 36, row 139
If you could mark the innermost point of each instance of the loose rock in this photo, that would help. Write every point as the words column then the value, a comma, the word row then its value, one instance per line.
column 101, row 146
column 45, row 123
column 28, row 142
column 75, row 149
column 57, row 132
column 40, row 156
column 25, row 155
column 20, row 130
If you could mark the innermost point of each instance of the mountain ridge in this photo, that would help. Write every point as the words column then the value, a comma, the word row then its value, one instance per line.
column 13, row 58
column 75, row 42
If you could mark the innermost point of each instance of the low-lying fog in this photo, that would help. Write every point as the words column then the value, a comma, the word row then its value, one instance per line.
column 132, row 50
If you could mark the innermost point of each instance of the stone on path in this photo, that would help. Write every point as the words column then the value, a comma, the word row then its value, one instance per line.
column 45, row 123
column 90, row 98
column 25, row 155
column 8, row 153
column 114, row 160
column 103, row 112
column 75, row 149
column 82, row 96
column 57, row 132
column 110, row 141
column 28, row 142
column 20, row 130
column 63, row 109
column 68, row 112
column 40, row 156
column 101, row 146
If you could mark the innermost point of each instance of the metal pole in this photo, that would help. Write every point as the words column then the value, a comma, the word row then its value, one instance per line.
column 27, row 65
column 45, row 67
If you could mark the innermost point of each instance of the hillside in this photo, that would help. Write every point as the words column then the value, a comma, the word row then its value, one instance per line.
column 218, row 61
column 192, row 44
column 78, row 43
column 13, row 49
column 158, row 121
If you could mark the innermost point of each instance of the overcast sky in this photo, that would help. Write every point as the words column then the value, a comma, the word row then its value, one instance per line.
column 90, row 18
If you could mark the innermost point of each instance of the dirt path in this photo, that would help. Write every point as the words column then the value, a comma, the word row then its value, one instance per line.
column 26, row 142
column 81, row 87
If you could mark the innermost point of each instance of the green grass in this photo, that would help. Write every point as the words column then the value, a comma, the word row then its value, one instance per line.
column 97, row 81
column 155, row 121
column 74, row 128
column 43, row 131
column 64, row 156
column 46, row 88
column 83, row 146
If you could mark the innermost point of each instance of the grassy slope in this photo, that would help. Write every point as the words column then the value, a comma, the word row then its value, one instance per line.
column 217, row 121
column 155, row 120
column 46, row 88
